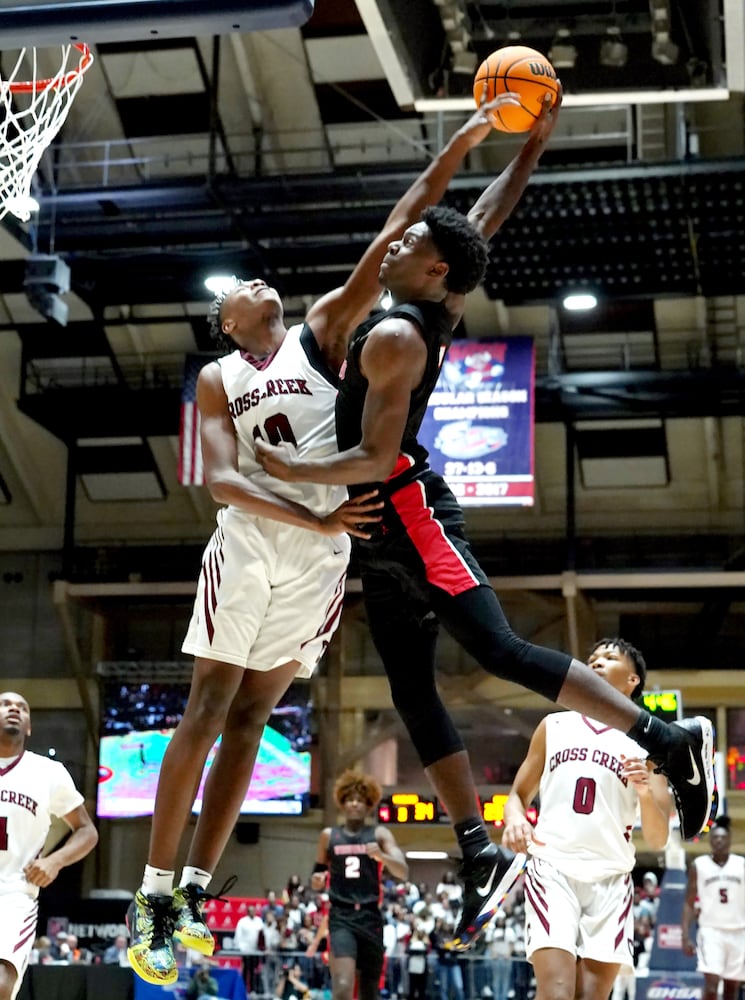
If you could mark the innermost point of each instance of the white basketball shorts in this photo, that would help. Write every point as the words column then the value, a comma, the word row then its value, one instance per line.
column 592, row 920
column 268, row 593
column 721, row 952
column 18, row 915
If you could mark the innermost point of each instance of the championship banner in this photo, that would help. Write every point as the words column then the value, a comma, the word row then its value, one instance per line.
column 478, row 427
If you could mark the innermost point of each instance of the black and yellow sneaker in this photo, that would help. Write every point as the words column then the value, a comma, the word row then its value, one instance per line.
column 150, row 951
column 190, row 927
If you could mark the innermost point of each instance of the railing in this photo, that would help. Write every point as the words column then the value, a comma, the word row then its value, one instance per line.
column 476, row 977
column 136, row 371
column 114, row 162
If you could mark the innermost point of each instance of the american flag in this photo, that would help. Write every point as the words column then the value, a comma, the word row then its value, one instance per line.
column 190, row 471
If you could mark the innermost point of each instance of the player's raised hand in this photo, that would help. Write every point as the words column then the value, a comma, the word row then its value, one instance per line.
column 545, row 123
column 636, row 771
column 480, row 124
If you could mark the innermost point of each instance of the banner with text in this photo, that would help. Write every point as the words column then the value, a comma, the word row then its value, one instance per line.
column 478, row 427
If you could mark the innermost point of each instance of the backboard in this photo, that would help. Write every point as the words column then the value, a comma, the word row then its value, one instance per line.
column 42, row 22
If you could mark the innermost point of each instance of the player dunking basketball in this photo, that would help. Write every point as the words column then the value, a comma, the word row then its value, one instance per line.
column 418, row 569
column 271, row 589
column 592, row 781
column 33, row 789
column 354, row 855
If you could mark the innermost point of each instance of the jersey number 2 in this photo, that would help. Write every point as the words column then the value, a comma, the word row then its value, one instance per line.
column 276, row 428
column 351, row 867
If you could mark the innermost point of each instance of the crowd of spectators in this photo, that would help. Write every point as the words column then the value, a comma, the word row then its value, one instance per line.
column 276, row 937
column 419, row 920
column 284, row 954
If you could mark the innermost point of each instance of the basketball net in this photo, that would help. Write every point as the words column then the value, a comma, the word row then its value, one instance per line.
column 34, row 110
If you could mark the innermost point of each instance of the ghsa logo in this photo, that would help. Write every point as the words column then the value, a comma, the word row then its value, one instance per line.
column 673, row 989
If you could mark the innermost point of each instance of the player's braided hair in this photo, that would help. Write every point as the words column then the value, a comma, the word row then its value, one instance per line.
column 214, row 317
column 723, row 822
column 640, row 667
column 364, row 785
column 462, row 247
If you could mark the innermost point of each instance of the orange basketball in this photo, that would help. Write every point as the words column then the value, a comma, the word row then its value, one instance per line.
column 523, row 71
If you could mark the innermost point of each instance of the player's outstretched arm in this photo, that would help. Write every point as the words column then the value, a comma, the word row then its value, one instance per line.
column 498, row 201
column 336, row 315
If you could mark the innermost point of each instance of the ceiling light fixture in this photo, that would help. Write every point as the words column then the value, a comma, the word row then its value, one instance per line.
column 464, row 62
column 457, row 27
column 563, row 52
column 219, row 283
column 426, row 855
column 613, row 50
column 664, row 49
column 46, row 279
column 579, row 301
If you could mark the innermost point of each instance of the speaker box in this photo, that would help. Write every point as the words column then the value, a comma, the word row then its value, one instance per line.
column 247, row 833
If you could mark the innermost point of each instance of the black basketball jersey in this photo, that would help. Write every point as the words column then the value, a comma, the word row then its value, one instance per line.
column 435, row 326
column 354, row 877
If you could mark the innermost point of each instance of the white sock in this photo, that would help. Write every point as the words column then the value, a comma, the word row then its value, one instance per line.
column 195, row 876
column 156, row 882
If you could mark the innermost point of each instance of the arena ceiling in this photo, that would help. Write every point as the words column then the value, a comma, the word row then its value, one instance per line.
column 192, row 148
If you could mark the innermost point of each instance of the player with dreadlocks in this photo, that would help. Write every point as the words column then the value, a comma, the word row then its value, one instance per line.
column 272, row 583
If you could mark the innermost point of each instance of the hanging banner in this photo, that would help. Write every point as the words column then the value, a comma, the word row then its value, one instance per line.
column 478, row 427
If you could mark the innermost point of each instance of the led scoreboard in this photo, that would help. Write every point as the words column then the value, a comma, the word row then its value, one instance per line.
column 410, row 807
column 666, row 705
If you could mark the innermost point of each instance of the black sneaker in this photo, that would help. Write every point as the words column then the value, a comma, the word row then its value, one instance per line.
column 487, row 878
column 689, row 768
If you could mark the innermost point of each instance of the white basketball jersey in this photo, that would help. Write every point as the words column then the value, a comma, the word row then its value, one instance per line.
column 291, row 399
column 32, row 790
column 721, row 892
column 587, row 810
